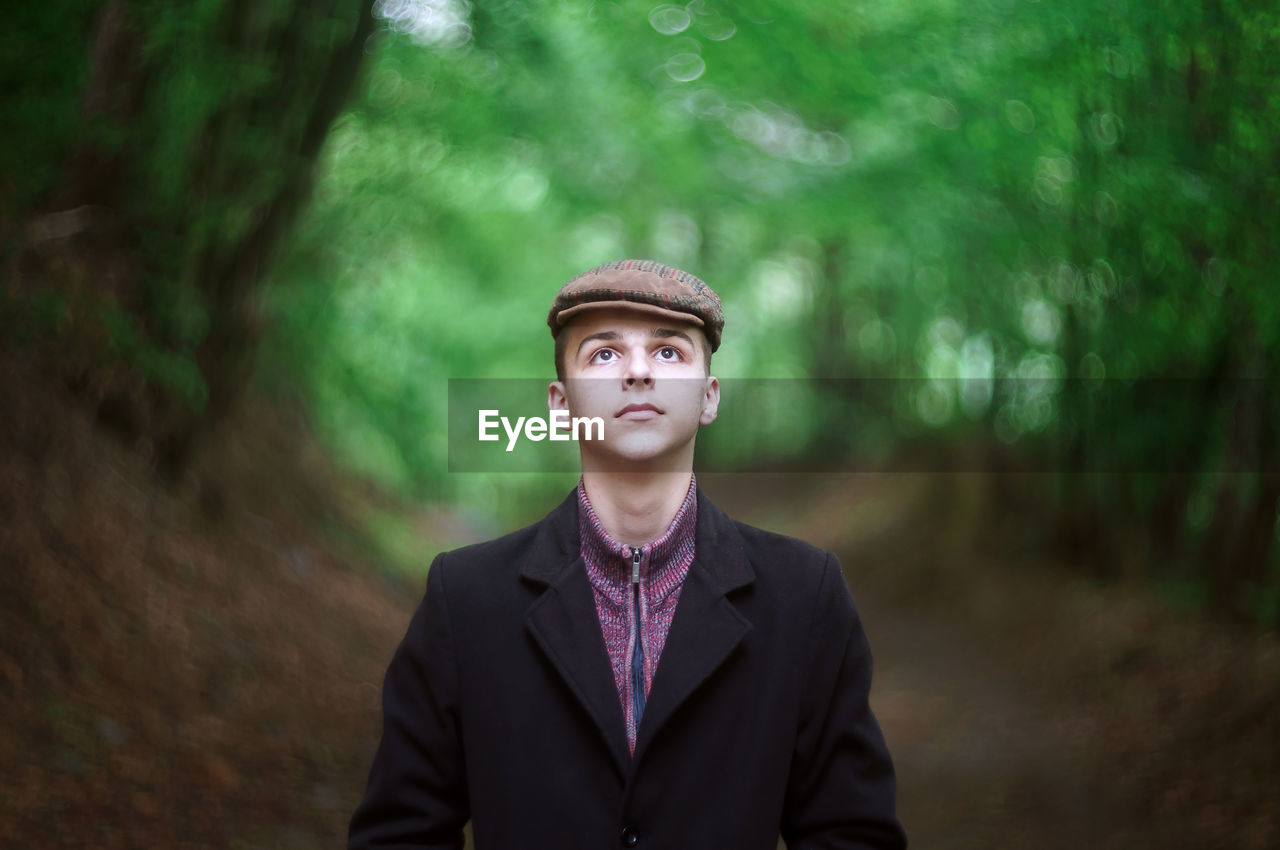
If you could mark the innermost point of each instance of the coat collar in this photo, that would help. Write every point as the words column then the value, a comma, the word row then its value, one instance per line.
column 706, row 627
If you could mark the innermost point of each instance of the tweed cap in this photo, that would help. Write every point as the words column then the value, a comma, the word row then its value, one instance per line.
column 643, row 285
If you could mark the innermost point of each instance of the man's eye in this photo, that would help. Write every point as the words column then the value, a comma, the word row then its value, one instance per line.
column 604, row 355
column 668, row 353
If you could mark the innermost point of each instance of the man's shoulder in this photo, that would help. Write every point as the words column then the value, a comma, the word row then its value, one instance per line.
column 795, row 576
column 773, row 543
column 486, row 564
column 778, row 557
column 498, row 551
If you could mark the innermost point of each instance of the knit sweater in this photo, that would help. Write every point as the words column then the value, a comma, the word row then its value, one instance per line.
column 664, row 564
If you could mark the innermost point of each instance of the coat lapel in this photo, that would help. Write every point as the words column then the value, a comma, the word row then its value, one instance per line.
column 705, row 630
column 566, row 627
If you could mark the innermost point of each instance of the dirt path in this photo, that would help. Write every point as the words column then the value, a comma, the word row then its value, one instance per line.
column 985, row 756
column 981, row 762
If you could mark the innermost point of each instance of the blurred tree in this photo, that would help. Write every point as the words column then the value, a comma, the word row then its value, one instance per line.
column 157, row 155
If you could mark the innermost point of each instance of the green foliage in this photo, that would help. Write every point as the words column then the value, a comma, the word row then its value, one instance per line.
column 43, row 64
column 173, row 372
column 1028, row 209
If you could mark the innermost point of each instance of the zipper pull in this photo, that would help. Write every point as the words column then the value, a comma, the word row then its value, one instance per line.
column 635, row 565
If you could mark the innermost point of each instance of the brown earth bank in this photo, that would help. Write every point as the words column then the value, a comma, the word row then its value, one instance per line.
column 197, row 664
column 193, row 665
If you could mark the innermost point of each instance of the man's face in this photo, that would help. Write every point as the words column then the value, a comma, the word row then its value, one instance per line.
column 646, row 378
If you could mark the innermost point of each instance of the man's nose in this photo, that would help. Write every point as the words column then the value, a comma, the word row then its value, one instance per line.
column 638, row 369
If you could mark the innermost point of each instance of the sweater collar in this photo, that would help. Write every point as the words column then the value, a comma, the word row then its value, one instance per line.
column 552, row 557
column 602, row 551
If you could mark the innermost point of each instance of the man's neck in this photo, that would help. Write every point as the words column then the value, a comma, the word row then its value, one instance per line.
column 636, row 507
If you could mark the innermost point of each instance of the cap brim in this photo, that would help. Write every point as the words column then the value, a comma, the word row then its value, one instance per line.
column 633, row 306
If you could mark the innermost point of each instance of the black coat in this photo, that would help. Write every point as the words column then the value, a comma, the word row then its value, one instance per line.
column 500, row 706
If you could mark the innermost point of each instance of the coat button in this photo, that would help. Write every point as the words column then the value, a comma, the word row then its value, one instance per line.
column 629, row 837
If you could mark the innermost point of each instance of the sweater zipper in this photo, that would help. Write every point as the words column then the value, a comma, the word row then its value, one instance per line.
column 637, row 652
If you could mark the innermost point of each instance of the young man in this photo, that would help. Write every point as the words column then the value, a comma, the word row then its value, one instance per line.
column 636, row 669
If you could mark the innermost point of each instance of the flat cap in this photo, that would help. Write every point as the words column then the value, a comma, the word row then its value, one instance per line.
column 643, row 285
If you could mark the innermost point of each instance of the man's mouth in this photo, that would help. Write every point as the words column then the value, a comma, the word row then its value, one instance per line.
column 638, row 411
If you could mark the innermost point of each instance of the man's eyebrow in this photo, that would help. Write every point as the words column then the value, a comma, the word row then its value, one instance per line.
column 667, row 333
column 606, row 335
column 655, row 333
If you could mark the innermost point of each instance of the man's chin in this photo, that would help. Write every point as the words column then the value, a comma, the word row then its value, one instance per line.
column 637, row 457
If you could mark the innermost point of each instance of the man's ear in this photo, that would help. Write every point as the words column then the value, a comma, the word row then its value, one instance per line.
column 557, row 399
column 710, row 401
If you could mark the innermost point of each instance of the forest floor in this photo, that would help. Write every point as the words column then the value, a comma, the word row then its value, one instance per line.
column 198, row 664
column 1026, row 705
